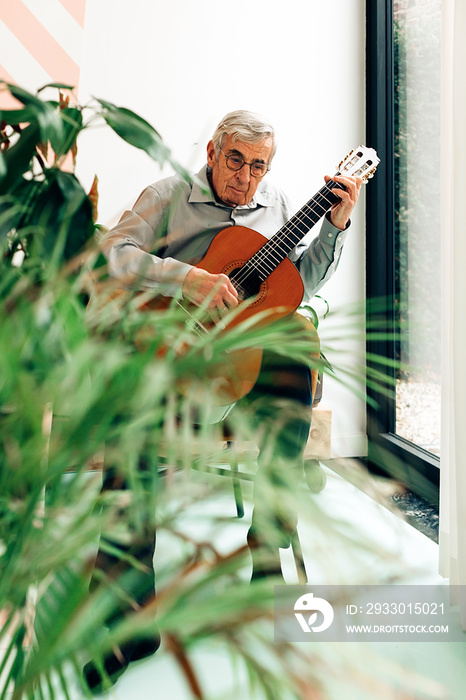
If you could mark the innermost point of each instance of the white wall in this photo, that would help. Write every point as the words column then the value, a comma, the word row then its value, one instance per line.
column 182, row 65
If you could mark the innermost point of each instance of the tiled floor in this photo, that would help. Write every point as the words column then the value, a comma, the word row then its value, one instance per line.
column 393, row 550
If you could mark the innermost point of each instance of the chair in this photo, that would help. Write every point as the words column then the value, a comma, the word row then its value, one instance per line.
column 318, row 447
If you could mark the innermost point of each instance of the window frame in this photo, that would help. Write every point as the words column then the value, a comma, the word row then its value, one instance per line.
column 388, row 452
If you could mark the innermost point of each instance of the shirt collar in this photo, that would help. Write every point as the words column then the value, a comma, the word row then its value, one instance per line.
column 202, row 192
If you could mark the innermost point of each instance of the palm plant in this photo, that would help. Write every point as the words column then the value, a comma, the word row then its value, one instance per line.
column 73, row 384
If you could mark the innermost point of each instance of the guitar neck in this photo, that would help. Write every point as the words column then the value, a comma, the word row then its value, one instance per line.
column 279, row 246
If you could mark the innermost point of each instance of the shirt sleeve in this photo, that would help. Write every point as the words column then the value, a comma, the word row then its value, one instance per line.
column 318, row 260
column 131, row 248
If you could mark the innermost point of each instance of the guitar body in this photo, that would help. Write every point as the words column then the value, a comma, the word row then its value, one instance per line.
column 280, row 294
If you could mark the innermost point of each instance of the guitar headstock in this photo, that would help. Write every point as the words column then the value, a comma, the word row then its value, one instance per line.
column 361, row 162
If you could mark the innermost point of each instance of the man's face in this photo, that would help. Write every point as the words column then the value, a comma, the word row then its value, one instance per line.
column 237, row 187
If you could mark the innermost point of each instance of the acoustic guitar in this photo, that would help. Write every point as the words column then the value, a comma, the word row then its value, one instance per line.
column 265, row 278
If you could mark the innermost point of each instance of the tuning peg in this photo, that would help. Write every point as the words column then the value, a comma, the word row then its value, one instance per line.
column 345, row 159
column 368, row 176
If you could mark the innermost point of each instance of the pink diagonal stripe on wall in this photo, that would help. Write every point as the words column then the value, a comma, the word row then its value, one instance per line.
column 39, row 42
column 4, row 75
column 76, row 8
column 7, row 101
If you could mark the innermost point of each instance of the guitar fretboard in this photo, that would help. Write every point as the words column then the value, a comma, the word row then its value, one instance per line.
column 264, row 262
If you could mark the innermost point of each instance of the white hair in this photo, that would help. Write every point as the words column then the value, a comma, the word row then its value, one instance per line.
column 242, row 125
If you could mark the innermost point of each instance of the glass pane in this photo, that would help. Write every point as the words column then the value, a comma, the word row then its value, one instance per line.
column 417, row 31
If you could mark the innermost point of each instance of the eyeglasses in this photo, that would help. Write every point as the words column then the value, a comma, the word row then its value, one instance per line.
column 236, row 162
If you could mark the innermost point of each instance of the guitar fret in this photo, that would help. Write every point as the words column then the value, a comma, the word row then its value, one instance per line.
column 277, row 248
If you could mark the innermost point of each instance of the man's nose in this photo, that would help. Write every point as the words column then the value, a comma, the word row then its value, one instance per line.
column 244, row 173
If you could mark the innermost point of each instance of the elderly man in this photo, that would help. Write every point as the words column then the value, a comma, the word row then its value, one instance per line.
column 155, row 247
column 172, row 224
column 186, row 218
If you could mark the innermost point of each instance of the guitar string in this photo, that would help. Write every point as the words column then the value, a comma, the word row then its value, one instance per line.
column 304, row 214
column 287, row 236
column 271, row 247
column 265, row 256
column 198, row 327
column 262, row 257
column 266, row 259
column 291, row 239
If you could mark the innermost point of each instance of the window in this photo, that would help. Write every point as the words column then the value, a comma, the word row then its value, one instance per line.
column 403, row 236
column 416, row 63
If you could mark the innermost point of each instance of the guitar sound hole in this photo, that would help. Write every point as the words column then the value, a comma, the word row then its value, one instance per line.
column 247, row 283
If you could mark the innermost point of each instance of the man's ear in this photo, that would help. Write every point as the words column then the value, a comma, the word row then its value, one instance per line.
column 211, row 156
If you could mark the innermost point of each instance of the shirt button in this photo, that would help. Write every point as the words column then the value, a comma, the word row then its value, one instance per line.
column 330, row 235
